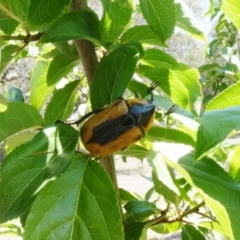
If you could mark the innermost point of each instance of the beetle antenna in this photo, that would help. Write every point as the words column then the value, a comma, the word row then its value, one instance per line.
column 151, row 88
column 172, row 109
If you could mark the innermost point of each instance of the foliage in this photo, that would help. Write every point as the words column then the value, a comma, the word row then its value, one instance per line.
column 60, row 193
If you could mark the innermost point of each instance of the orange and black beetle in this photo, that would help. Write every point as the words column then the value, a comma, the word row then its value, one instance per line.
column 117, row 126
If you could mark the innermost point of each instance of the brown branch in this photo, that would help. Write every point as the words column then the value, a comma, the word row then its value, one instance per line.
column 25, row 38
column 85, row 48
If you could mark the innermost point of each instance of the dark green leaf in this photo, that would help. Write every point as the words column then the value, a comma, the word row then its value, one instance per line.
column 61, row 104
column 74, row 25
column 7, row 24
column 67, row 48
column 113, row 74
column 163, row 190
column 161, row 171
column 59, row 67
column 157, row 58
column 15, row 95
column 191, row 233
column 137, row 210
column 160, row 15
column 133, row 231
column 7, row 54
column 214, row 128
column 25, row 168
column 126, row 196
column 15, row 9
column 218, row 189
column 138, row 87
column 170, row 135
column 18, row 116
column 41, row 13
column 116, row 16
column 143, row 34
column 82, row 202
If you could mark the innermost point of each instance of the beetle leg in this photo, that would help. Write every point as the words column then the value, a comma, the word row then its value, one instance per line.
column 85, row 116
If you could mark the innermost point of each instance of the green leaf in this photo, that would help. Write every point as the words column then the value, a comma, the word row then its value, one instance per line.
column 18, row 116
column 143, row 34
column 228, row 98
column 232, row 10
column 161, row 172
column 41, row 13
column 67, row 48
column 113, row 74
column 156, row 58
column 15, row 9
column 180, row 83
column 138, row 87
column 160, row 15
column 212, row 226
column 116, row 16
column 209, row 67
column 137, row 210
column 3, row 103
column 170, row 135
column 234, row 164
column 186, row 23
column 189, row 233
column 163, row 190
column 7, row 24
column 17, row 139
column 81, row 204
column 126, row 196
column 74, row 25
column 133, row 231
column 134, row 151
column 7, row 54
column 25, row 168
column 185, row 82
column 215, row 126
column 165, row 228
column 59, row 67
column 218, row 190
column 61, row 104
column 39, row 89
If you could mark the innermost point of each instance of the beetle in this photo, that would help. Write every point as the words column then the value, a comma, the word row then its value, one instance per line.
column 119, row 125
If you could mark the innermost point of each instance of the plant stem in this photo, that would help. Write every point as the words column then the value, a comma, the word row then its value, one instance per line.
column 89, row 59
column 26, row 38
column 192, row 210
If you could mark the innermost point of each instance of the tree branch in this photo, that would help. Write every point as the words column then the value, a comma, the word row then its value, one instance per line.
column 89, row 59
